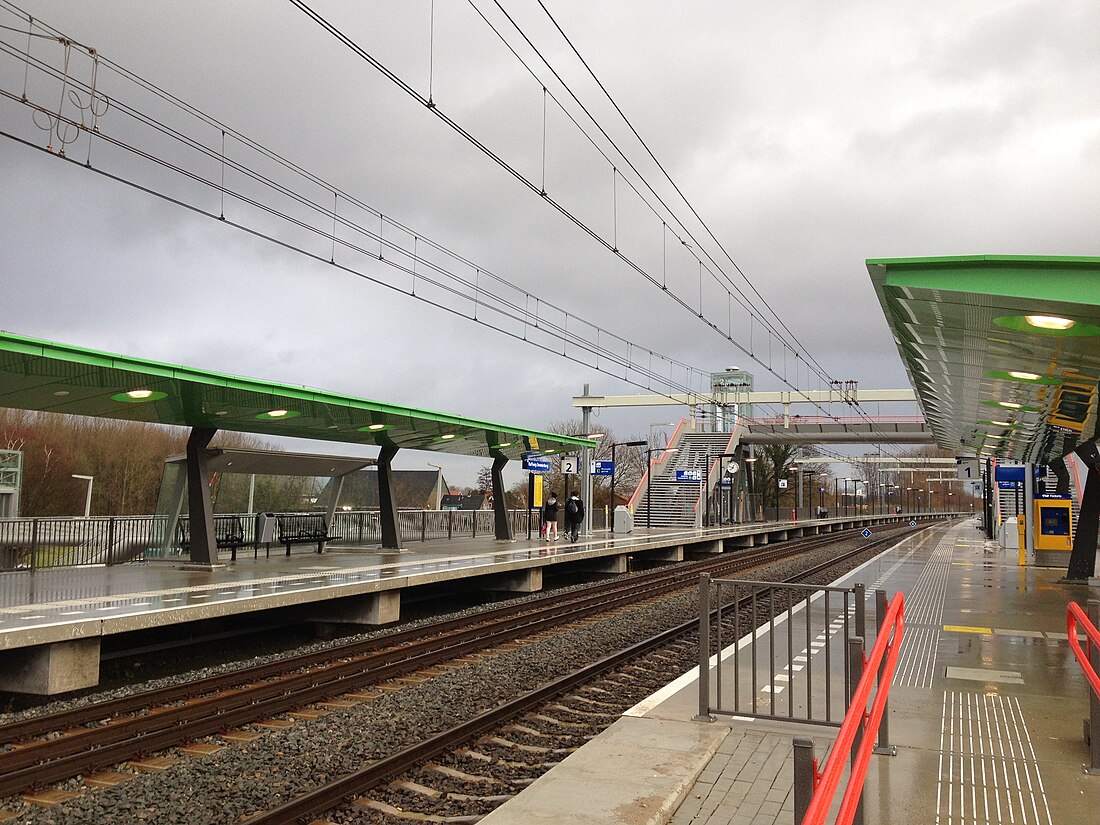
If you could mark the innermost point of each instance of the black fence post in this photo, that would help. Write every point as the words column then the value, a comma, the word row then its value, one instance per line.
column 704, row 649
column 855, row 673
column 883, row 746
column 803, row 776
column 1094, row 700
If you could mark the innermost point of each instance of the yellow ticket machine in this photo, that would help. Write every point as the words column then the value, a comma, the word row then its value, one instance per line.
column 1053, row 531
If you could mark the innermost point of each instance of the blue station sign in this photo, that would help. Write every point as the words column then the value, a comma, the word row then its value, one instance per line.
column 536, row 463
column 690, row 475
column 603, row 468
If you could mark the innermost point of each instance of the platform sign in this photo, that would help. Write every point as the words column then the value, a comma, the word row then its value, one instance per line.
column 1008, row 485
column 569, row 464
column 536, row 463
column 782, row 484
column 968, row 469
column 912, row 522
column 866, row 533
column 726, row 482
column 603, row 468
column 1015, row 472
column 695, row 476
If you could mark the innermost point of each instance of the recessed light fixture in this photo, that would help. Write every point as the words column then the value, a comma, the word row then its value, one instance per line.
column 1024, row 376
column 61, row 393
column 1012, row 405
column 1002, row 423
column 138, row 396
column 376, row 426
column 221, row 412
column 447, row 436
column 502, row 445
column 278, row 415
column 1049, row 321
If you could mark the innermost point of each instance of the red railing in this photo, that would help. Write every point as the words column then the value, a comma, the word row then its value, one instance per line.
column 1076, row 618
column 877, row 667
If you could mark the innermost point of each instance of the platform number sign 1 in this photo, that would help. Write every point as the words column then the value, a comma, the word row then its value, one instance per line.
column 866, row 533
column 569, row 465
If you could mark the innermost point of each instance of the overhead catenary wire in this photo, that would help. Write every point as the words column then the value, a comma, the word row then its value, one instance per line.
column 631, row 371
column 539, row 188
column 449, row 281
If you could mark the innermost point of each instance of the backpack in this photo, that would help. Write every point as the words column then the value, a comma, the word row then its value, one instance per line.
column 571, row 509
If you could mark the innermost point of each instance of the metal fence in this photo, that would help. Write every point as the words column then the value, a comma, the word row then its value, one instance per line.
column 39, row 543
column 791, row 675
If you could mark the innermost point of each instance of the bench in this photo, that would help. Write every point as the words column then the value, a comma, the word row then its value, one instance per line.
column 228, row 534
column 302, row 528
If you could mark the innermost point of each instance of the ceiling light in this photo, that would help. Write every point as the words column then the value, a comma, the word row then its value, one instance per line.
column 376, row 426
column 221, row 412
column 447, row 436
column 276, row 413
column 61, row 393
column 502, row 445
column 1024, row 376
column 138, row 396
column 1002, row 423
column 1012, row 405
column 1049, row 321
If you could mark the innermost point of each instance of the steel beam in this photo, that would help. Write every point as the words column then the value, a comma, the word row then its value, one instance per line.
column 729, row 398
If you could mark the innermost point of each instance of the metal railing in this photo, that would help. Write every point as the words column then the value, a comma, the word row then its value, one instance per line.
column 855, row 742
column 40, row 543
column 1089, row 659
column 813, row 616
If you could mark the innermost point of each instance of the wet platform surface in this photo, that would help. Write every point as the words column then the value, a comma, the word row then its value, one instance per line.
column 42, row 606
column 985, row 711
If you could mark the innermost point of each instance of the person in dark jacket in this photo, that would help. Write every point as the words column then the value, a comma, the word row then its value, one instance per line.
column 550, row 516
column 574, row 515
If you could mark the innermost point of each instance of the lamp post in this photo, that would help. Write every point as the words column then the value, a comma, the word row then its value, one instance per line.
column 438, row 486
column 821, row 498
column 648, row 482
column 88, row 498
column 811, row 474
column 614, row 469
column 836, row 499
column 649, row 441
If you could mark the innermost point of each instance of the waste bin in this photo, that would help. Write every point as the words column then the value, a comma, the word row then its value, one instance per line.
column 623, row 522
column 265, row 528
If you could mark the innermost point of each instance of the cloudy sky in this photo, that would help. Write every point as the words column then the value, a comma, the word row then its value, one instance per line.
column 808, row 137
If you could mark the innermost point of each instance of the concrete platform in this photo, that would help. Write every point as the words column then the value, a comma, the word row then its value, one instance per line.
column 51, row 620
column 985, row 713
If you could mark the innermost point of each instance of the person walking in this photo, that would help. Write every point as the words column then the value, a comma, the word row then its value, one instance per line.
column 574, row 515
column 550, row 516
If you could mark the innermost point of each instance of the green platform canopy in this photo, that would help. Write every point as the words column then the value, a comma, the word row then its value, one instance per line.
column 1003, row 351
column 52, row 377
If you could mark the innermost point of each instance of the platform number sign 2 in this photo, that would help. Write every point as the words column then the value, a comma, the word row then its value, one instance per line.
column 569, row 465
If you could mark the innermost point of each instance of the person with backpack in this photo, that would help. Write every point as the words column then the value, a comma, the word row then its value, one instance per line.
column 550, row 517
column 574, row 515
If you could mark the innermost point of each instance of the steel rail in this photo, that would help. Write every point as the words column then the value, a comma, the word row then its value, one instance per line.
column 38, row 726
column 326, row 797
column 86, row 749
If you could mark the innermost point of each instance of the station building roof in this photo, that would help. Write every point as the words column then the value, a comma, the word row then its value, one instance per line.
column 52, row 377
column 1003, row 351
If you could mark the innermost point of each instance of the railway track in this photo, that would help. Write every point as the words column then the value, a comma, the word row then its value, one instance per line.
column 48, row 749
column 497, row 728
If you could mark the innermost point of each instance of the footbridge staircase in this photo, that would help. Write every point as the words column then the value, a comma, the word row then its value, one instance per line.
column 670, row 503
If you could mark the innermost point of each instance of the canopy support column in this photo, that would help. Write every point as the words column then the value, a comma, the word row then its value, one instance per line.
column 387, row 504
column 1082, row 559
column 500, row 506
column 204, row 548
